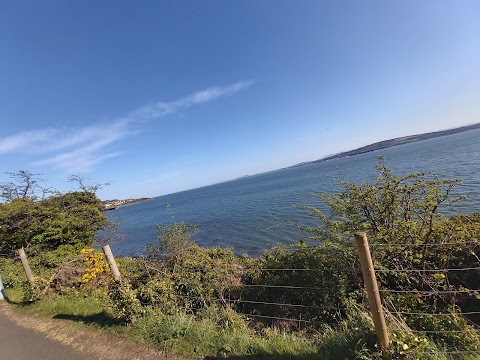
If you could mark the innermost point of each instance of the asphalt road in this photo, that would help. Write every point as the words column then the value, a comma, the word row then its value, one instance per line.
column 18, row 343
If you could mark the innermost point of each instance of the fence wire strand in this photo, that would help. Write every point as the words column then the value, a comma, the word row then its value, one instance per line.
column 274, row 269
column 452, row 352
column 248, row 314
column 287, row 287
column 428, row 292
column 285, row 319
column 282, row 304
column 436, row 314
column 437, row 331
column 477, row 242
column 234, row 301
column 427, row 270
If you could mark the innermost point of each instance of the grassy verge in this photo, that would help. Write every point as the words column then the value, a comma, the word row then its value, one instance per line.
column 181, row 334
column 154, row 308
column 222, row 333
column 214, row 332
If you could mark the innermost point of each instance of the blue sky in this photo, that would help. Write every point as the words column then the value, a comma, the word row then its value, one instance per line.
column 161, row 96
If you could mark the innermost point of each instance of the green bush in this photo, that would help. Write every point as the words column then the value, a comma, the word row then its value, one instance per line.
column 12, row 272
column 320, row 286
column 123, row 301
column 186, row 274
column 45, row 223
column 407, row 233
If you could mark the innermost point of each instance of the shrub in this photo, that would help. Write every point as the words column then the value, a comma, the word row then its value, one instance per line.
column 320, row 286
column 123, row 301
column 417, row 245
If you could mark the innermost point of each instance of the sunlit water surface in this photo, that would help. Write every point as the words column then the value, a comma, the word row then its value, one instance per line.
column 253, row 213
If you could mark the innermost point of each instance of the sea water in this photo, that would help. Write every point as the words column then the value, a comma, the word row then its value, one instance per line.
column 254, row 213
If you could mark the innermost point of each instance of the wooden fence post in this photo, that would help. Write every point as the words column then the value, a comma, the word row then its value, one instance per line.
column 2, row 290
column 26, row 267
column 373, row 294
column 111, row 262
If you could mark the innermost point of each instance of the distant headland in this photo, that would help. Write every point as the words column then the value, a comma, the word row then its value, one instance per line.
column 392, row 142
column 113, row 204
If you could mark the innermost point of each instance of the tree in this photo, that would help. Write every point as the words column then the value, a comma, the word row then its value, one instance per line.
column 19, row 223
column 407, row 231
column 72, row 218
column 84, row 184
column 401, row 209
column 24, row 185
column 27, row 220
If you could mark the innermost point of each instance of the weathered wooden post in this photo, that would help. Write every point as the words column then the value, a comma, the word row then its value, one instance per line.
column 111, row 262
column 26, row 267
column 2, row 290
column 373, row 294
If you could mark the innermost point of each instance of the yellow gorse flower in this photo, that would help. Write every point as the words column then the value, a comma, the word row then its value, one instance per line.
column 96, row 264
column 86, row 251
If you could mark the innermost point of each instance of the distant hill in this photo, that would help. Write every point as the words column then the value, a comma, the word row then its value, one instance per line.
column 393, row 142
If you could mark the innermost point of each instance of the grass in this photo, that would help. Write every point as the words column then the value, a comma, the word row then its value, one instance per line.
column 13, row 295
column 216, row 333
column 200, row 337
column 213, row 333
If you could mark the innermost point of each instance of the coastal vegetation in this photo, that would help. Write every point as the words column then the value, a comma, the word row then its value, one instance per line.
column 44, row 220
column 304, row 301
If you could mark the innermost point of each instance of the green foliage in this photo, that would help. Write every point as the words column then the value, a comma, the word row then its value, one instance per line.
column 19, row 223
column 321, row 285
column 52, row 259
column 197, row 278
column 408, row 233
column 403, row 209
column 160, row 293
column 174, row 240
column 50, row 220
column 210, row 334
column 30, row 293
column 68, row 219
column 207, row 275
column 188, row 275
column 12, row 272
column 72, row 218
column 225, row 318
column 123, row 301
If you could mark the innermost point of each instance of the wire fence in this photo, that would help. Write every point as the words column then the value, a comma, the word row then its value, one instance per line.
column 258, row 315
column 253, row 305
column 439, row 244
column 281, row 297
column 446, row 327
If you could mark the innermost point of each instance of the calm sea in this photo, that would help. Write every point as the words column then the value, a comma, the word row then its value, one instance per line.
column 252, row 214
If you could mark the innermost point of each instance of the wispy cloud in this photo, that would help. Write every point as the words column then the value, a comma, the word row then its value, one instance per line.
column 82, row 150
column 161, row 109
column 79, row 150
column 23, row 140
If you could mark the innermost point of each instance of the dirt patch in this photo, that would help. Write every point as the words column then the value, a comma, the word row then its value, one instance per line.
column 85, row 340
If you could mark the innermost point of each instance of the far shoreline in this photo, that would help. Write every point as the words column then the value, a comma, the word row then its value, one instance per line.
column 110, row 205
